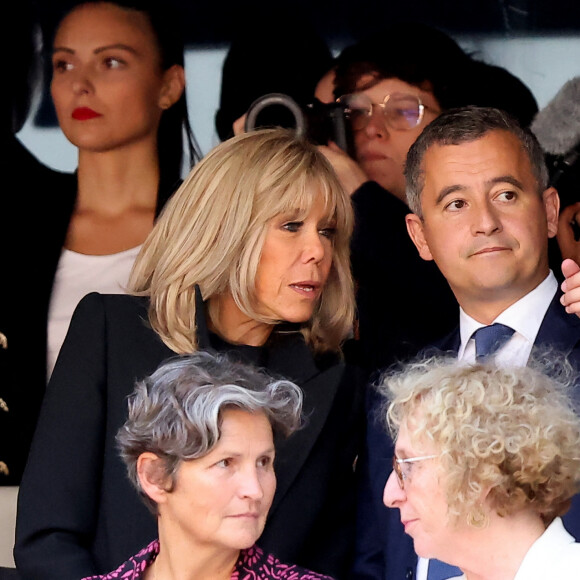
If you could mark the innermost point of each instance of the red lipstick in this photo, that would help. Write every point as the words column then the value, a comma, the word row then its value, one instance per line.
column 84, row 114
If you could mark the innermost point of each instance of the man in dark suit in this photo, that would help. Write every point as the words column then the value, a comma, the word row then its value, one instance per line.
column 482, row 211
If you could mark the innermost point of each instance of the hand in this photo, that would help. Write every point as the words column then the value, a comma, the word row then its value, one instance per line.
column 350, row 173
column 571, row 287
column 569, row 247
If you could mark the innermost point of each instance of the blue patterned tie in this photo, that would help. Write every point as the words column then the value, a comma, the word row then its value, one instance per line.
column 488, row 339
column 441, row 571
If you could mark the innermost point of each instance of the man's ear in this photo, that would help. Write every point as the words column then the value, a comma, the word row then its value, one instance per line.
column 173, row 86
column 416, row 233
column 152, row 476
column 552, row 206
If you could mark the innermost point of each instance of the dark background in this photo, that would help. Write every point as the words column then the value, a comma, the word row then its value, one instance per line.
column 216, row 22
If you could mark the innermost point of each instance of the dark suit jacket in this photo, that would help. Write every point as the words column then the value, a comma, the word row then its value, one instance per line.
column 78, row 514
column 383, row 551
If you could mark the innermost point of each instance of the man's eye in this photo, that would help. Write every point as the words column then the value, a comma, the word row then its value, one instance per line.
column 455, row 205
column 224, row 463
column 507, row 195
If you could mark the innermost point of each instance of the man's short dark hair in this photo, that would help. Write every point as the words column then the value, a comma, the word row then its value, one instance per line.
column 464, row 125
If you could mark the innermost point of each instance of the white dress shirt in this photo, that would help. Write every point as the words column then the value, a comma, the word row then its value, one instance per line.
column 525, row 316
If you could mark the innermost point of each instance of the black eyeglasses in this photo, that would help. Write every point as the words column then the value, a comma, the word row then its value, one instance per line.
column 401, row 111
column 401, row 467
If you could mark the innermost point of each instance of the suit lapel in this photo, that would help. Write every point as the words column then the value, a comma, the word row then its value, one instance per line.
column 559, row 329
column 291, row 358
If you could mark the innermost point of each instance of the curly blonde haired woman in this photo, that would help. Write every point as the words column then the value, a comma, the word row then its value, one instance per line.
column 487, row 460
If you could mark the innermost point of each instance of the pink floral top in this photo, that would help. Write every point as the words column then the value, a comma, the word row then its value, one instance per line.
column 252, row 564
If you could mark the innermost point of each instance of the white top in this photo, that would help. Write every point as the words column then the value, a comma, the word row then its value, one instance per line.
column 555, row 555
column 77, row 275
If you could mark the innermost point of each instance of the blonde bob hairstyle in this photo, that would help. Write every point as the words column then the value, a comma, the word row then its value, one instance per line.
column 509, row 437
column 211, row 232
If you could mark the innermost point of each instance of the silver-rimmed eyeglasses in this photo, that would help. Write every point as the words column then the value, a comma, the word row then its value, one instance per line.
column 401, row 111
column 402, row 467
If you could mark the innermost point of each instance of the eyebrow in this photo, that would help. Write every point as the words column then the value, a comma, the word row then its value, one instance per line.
column 117, row 46
column 230, row 453
column 450, row 189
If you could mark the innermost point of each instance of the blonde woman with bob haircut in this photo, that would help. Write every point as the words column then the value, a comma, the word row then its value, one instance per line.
column 249, row 257
column 486, row 463
column 212, row 235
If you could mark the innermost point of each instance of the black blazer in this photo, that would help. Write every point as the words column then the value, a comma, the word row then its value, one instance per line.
column 43, row 210
column 78, row 514
column 383, row 550
column 40, row 207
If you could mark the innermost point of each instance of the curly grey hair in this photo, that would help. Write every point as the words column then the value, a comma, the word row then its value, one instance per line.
column 512, row 430
column 176, row 412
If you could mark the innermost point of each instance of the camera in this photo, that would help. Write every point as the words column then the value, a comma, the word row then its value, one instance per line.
column 319, row 122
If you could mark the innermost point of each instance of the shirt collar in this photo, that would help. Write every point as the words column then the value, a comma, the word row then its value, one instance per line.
column 524, row 316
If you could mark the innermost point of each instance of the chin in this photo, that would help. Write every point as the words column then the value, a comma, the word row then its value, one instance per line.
column 423, row 549
column 297, row 317
column 244, row 541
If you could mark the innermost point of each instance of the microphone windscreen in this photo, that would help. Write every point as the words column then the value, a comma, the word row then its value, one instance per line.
column 557, row 125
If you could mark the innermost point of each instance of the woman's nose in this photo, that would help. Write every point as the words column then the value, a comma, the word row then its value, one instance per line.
column 377, row 125
column 314, row 249
column 251, row 485
column 81, row 82
column 393, row 493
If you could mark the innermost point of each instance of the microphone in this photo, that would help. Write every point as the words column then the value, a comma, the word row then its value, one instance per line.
column 557, row 125
column 557, row 128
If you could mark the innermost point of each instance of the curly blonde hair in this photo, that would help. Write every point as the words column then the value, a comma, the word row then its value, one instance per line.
column 211, row 233
column 509, row 434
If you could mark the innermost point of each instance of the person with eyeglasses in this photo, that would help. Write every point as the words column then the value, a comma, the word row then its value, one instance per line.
column 486, row 463
column 392, row 85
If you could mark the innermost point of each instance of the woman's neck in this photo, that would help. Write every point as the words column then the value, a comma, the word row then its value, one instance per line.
column 181, row 559
column 228, row 321
column 113, row 181
column 496, row 552
column 116, row 201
